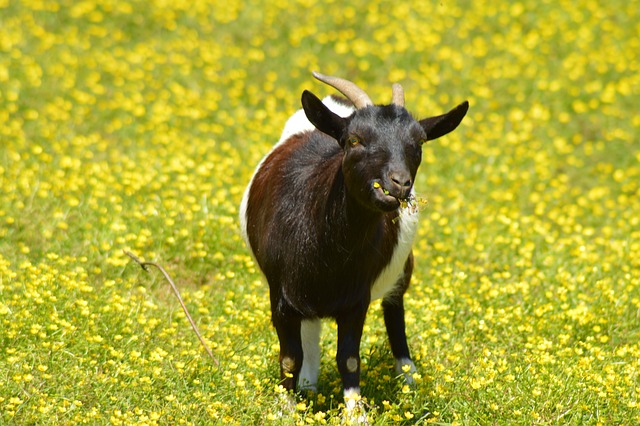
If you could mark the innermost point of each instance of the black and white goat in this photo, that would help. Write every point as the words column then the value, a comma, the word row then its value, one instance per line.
column 324, row 220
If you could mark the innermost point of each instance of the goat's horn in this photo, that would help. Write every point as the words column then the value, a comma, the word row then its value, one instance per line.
column 355, row 94
column 397, row 94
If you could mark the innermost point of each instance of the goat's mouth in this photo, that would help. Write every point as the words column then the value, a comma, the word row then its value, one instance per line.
column 387, row 201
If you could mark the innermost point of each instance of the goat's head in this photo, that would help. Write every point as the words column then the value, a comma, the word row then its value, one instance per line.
column 382, row 144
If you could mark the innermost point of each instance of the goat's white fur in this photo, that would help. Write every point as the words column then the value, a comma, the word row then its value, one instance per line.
column 408, row 375
column 310, row 332
column 355, row 411
column 384, row 284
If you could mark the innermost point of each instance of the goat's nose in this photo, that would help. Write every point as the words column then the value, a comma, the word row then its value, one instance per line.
column 401, row 179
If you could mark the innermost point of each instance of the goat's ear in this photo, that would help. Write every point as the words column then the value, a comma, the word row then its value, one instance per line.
column 322, row 117
column 445, row 123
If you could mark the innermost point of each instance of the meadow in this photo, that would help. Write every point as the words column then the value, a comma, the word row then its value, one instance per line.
column 135, row 125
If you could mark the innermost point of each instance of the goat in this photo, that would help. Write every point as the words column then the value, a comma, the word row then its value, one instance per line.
column 324, row 218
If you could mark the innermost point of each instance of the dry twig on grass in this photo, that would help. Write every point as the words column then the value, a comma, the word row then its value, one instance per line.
column 144, row 266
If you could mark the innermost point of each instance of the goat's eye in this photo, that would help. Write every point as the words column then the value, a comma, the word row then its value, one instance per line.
column 353, row 140
column 422, row 141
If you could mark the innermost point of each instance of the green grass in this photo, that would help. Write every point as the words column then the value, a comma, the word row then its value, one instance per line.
column 136, row 125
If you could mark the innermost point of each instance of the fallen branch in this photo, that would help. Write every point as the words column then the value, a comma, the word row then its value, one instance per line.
column 144, row 266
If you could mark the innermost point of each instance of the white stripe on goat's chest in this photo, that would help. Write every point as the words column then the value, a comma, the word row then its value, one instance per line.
column 386, row 281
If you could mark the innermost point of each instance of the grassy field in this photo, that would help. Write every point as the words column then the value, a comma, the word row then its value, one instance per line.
column 136, row 125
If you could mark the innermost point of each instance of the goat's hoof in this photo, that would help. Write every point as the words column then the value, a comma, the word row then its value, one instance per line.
column 287, row 404
column 308, row 391
column 355, row 411
column 405, row 368
column 356, row 415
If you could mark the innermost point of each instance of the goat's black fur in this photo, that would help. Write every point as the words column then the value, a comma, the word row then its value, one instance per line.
column 321, row 219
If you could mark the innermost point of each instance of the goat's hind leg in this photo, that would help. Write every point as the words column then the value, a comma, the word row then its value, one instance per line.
column 310, row 334
column 288, row 329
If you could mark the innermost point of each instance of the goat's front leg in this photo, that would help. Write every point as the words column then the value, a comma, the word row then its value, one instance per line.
column 350, row 326
column 393, row 308
column 394, row 320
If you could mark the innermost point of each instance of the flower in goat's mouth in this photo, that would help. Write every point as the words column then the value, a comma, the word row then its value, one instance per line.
column 377, row 185
column 412, row 203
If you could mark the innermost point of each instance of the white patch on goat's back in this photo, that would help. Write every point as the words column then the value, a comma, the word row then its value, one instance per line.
column 297, row 123
column 338, row 108
column 385, row 283
column 310, row 333
column 243, row 214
